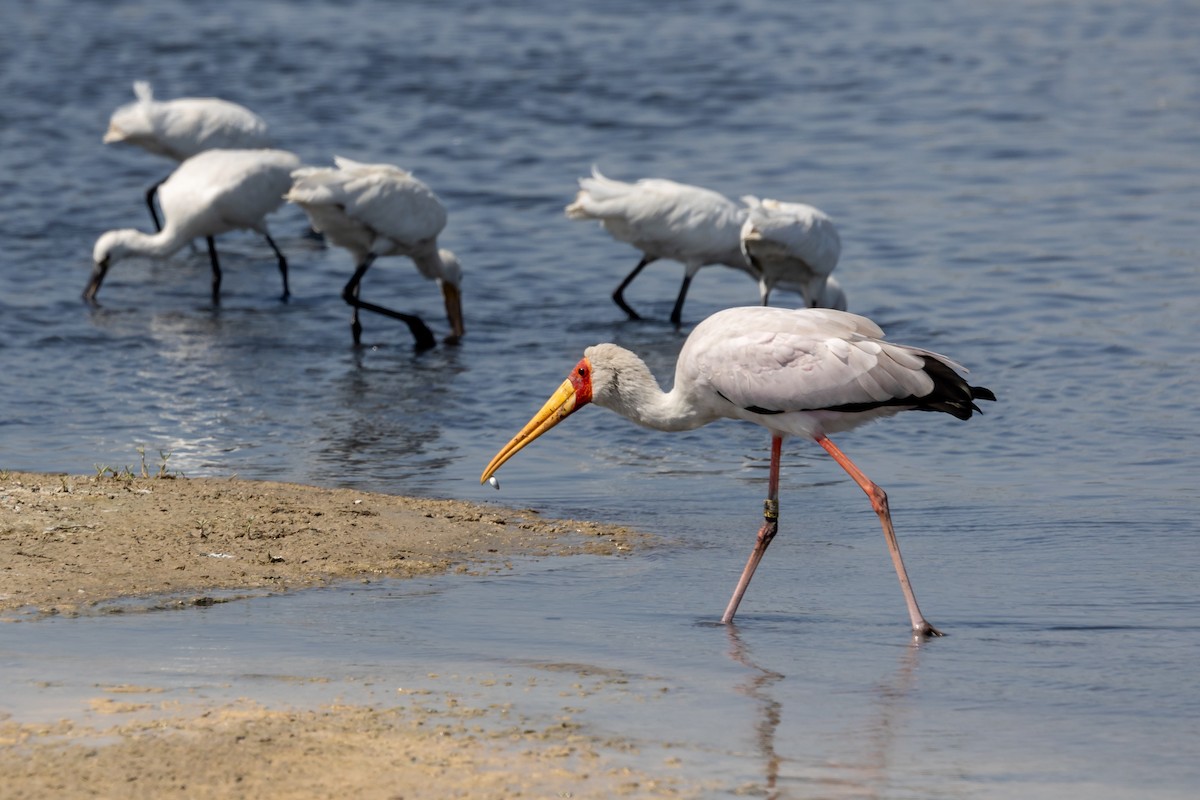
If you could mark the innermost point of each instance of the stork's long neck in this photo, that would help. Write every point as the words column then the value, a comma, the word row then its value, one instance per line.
column 155, row 245
column 623, row 383
column 427, row 260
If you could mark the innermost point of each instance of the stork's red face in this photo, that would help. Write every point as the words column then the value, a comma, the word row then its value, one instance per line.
column 574, row 393
column 581, row 381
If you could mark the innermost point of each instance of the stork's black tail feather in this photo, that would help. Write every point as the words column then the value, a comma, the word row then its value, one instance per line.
column 951, row 392
column 982, row 393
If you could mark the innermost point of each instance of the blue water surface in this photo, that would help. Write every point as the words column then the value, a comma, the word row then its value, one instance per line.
column 1016, row 186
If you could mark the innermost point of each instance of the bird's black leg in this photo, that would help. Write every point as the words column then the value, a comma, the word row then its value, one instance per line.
column 150, row 193
column 766, row 533
column 420, row 331
column 216, row 270
column 677, row 312
column 350, row 295
column 283, row 267
column 618, row 295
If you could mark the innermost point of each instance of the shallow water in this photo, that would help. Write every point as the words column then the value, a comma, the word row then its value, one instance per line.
column 1014, row 186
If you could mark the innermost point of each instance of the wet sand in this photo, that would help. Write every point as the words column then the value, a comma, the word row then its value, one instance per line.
column 82, row 544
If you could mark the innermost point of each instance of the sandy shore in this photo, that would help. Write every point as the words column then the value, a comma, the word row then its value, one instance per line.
column 75, row 544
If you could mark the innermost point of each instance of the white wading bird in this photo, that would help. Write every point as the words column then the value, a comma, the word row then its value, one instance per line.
column 792, row 245
column 806, row 372
column 376, row 210
column 209, row 194
column 689, row 224
column 179, row 129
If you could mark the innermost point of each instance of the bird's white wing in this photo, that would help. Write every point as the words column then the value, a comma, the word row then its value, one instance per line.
column 182, row 128
column 668, row 219
column 793, row 230
column 193, row 124
column 316, row 186
column 772, row 360
column 321, row 192
column 385, row 199
column 239, row 186
column 395, row 204
column 650, row 202
column 358, row 168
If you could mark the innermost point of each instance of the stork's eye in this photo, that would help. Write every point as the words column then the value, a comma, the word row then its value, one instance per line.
column 582, row 372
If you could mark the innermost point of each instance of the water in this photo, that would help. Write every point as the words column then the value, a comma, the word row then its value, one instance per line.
column 1014, row 186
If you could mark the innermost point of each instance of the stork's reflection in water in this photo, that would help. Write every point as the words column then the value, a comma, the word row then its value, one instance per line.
column 861, row 765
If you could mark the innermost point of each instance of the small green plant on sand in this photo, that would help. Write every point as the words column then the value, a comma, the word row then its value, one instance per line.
column 127, row 473
column 123, row 474
column 163, row 457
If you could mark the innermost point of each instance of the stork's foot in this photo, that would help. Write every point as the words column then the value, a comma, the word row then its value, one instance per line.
column 925, row 631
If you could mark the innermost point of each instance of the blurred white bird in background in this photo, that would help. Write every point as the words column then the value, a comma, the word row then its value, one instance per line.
column 699, row 227
column 179, row 129
column 792, row 245
column 209, row 194
column 376, row 210
column 664, row 219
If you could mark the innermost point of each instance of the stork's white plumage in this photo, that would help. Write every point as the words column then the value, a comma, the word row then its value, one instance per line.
column 806, row 372
column 376, row 210
column 179, row 129
column 209, row 194
column 694, row 226
column 792, row 245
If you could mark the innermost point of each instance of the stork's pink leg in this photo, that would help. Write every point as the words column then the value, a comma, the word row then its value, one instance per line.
column 765, row 534
column 879, row 502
